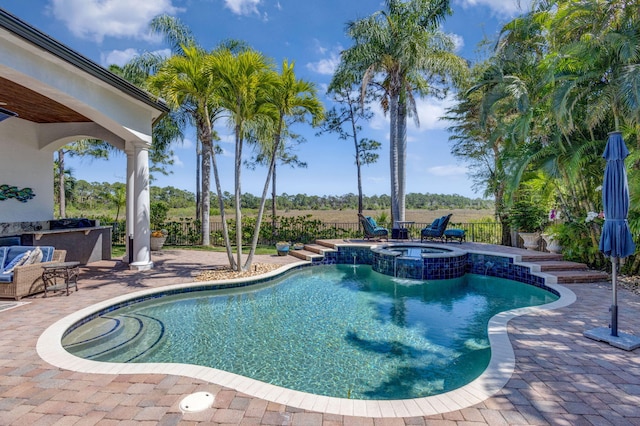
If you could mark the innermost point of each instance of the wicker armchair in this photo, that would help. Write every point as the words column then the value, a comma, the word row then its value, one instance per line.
column 27, row 279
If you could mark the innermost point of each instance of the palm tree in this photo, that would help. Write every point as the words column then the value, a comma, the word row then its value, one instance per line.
column 288, row 98
column 242, row 83
column 182, row 82
column 402, row 52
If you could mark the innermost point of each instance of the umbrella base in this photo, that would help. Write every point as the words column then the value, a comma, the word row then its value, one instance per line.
column 625, row 341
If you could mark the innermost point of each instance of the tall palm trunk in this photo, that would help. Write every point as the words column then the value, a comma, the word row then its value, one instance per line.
column 238, row 196
column 402, row 159
column 198, row 181
column 270, row 174
column 223, row 217
column 393, row 158
column 205, row 135
column 274, row 231
column 62, row 200
column 206, row 197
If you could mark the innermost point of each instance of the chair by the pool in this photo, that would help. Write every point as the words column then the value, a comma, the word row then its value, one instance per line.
column 435, row 231
column 372, row 229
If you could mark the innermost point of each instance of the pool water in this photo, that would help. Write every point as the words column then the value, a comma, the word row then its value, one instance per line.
column 341, row 330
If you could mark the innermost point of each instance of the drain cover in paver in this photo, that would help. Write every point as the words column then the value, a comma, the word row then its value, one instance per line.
column 196, row 402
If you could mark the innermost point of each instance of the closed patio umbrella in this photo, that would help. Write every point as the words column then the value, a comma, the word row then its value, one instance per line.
column 616, row 240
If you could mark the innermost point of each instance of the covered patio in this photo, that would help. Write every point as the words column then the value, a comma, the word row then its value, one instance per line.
column 60, row 96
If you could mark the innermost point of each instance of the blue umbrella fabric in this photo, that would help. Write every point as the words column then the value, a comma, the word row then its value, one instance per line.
column 616, row 240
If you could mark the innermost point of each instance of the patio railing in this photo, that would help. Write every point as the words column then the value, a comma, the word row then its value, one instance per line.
column 187, row 233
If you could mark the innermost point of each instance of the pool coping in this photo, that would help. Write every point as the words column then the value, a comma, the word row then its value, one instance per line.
column 493, row 379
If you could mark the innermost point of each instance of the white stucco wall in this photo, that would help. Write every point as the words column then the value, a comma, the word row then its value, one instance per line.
column 23, row 165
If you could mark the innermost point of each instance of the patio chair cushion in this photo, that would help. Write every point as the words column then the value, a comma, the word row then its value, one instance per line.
column 18, row 260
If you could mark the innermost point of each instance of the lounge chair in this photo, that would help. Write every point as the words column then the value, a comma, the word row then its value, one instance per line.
column 371, row 228
column 435, row 231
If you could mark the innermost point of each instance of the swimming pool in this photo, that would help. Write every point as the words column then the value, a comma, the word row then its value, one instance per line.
column 341, row 331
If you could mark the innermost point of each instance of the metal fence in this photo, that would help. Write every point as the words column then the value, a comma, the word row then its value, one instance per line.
column 187, row 233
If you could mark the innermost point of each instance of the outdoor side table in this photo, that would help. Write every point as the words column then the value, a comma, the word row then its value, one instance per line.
column 405, row 232
column 67, row 271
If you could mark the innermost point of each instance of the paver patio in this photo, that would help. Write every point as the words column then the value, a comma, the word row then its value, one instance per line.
column 560, row 376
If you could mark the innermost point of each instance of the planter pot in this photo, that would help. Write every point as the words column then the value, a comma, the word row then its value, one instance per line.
column 530, row 240
column 282, row 248
column 157, row 243
column 552, row 244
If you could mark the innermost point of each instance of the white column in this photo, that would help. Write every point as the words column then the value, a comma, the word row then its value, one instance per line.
column 141, row 231
column 130, row 197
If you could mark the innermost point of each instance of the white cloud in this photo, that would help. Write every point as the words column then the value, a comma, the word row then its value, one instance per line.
column 325, row 66
column 177, row 161
column 447, row 170
column 430, row 111
column 458, row 41
column 499, row 7
column 121, row 57
column 243, row 7
column 328, row 64
column 118, row 57
column 97, row 19
column 186, row 144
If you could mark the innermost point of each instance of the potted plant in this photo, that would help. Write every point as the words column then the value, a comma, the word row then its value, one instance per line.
column 158, row 238
column 551, row 233
column 283, row 248
column 527, row 217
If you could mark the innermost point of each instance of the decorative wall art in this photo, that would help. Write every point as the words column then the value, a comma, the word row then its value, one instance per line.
column 23, row 195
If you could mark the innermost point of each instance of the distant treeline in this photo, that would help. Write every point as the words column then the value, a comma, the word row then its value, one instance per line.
column 85, row 195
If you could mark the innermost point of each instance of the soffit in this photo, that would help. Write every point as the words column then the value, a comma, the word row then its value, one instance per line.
column 35, row 107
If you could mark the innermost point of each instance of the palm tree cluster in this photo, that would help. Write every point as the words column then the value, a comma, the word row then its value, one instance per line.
column 233, row 85
column 534, row 117
column 399, row 53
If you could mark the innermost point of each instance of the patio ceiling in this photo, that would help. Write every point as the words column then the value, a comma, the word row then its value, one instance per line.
column 35, row 107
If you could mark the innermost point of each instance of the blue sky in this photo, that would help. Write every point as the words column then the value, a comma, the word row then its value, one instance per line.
column 310, row 33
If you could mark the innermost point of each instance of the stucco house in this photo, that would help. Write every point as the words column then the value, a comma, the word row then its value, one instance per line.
column 60, row 96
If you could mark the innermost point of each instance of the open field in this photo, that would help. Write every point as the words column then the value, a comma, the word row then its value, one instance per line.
column 351, row 216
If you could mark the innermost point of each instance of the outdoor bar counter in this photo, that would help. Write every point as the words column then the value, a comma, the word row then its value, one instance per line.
column 84, row 245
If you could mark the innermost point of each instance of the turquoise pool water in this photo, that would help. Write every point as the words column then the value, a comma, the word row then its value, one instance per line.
column 342, row 331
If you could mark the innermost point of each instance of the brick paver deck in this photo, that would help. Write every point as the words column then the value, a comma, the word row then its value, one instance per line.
column 560, row 376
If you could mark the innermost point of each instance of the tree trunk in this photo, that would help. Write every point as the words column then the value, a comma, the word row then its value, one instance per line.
column 62, row 200
column 198, row 182
column 274, row 231
column 238, row 196
column 270, row 173
column 223, row 217
column 402, row 159
column 354, row 132
column 393, row 159
column 206, row 194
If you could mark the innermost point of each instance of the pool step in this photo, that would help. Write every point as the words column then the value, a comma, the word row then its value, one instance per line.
column 560, row 265
column 110, row 338
column 312, row 252
column 579, row 276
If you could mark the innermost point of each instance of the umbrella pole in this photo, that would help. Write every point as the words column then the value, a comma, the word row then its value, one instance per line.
column 614, row 304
